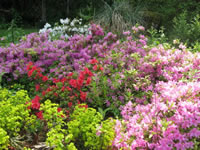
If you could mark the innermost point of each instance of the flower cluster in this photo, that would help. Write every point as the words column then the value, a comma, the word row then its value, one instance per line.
column 66, row 29
column 170, row 121
column 67, row 91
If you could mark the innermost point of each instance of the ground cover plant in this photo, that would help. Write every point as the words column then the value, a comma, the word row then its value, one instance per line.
column 99, row 91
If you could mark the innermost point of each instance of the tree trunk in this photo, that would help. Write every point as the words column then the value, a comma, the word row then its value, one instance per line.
column 44, row 17
column 67, row 8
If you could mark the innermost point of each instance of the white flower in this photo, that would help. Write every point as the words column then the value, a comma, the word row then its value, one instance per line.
column 75, row 29
column 47, row 25
column 72, row 23
column 81, row 30
column 61, row 21
column 66, row 21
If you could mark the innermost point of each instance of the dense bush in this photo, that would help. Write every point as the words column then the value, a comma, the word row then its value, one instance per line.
column 170, row 121
column 14, row 115
column 88, row 132
column 187, row 30
column 4, row 138
column 152, row 90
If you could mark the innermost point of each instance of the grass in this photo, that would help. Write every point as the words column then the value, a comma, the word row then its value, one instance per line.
column 3, row 32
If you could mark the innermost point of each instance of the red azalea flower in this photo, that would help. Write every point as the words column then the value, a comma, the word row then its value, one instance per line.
column 81, row 76
column 45, row 78
column 39, row 75
column 90, row 74
column 79, row 82
column 34, row 68
column 38, row 70
column 37, row 98
column 70, row 104
column 86, row 70
column 93, row 61
column 30, row 73
column 39, row 115
column 35, row 104
column 101, row 68
column 69, row 89
column 88, row 81
column 59, row 109
column 48, row 90
column 70, row 74
column 63, row 80
column 56, row 80
column 55, row 94
column 63, row 89
column 29, row 65
column 72, row 82
column 43, row 93
column 37, row 87
column 83, row 96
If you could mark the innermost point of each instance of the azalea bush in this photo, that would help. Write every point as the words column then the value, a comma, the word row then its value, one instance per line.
column 170, row 121
column 67, row 91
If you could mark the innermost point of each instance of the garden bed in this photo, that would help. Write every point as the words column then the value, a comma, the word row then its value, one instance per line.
column 96, row 91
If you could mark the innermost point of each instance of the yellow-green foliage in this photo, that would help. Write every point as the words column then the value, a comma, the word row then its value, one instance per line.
column 85, row 125
column 107, row 133
column 4, row 139
column 57, row 137
column 13, row 112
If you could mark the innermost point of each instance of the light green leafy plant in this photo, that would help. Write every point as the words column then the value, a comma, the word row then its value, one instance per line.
column 14, row 114
column 87, row 131
column 4, row 139
column 57, row 137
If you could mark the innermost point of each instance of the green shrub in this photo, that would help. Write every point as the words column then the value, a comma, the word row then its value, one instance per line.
column 4, row 139
column 13, row 116
column 186, row 29
column 57, row 137
column 14, row 111
column 86, row 129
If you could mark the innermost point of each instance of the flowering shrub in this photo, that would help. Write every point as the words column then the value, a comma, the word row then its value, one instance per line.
column 67, row 92
column 155, row 88
column 170, row 121
column 56, row 58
